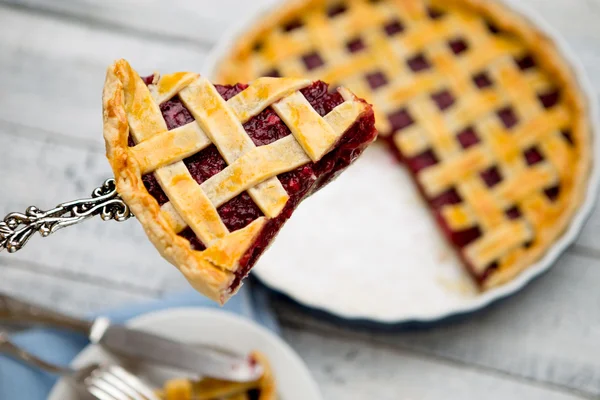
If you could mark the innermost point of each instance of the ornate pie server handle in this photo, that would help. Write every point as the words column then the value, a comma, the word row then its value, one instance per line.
column 16, row 229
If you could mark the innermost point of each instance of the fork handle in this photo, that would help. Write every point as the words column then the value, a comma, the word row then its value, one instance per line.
column 8, row 347
column 17, row 228
column 15, row 310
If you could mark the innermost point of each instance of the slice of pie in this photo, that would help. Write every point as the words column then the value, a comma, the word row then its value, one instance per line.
column 480, row 106
column 215, row 389
column 212, row 172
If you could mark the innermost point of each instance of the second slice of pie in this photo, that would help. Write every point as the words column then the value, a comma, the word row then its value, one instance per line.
column 212, row 172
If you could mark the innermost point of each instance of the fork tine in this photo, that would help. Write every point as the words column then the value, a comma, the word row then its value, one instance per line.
column 99, row 393
column 109, row 377
column 133, row 382
column 97, row 385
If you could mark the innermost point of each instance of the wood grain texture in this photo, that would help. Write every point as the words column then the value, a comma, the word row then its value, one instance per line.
column 547, row 333
column 54, row 70
column 74, row 296
column 354, row 369
column 200, row 23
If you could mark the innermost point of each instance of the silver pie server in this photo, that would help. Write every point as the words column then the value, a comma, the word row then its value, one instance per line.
column 138, row 345
column 17, row 228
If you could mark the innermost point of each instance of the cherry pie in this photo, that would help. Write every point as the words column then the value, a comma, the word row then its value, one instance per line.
column 212, row 172
column 214, row 389
column 479, row 106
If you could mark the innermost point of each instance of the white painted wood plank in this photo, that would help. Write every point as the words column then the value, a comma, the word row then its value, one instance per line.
column 352, row 369
column 52, row 72
column 197, row 21
column 46, row 174
column 588, row 241
column 548, row 333
column 76, row 297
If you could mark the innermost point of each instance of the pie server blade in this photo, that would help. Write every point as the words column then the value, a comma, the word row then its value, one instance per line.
column 152, row 348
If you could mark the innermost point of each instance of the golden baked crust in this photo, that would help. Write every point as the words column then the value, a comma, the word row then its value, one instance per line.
column 213, row 389
column 328, row 28
column 131, row 111
column 205, row 278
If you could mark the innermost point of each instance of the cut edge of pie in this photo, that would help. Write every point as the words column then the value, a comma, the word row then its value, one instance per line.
column 325, row 147
column 575, row 171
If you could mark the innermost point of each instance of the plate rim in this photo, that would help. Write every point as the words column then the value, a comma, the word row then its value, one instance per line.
column 155, row 317
column 494, row 295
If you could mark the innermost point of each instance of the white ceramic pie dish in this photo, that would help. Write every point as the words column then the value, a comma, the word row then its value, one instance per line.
column 404, row 271
column 214, row 328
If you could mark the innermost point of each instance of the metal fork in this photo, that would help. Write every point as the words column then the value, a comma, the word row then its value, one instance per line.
column 96, row 381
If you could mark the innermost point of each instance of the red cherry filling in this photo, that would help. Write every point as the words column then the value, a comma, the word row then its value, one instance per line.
column 467, row 137
column 443, row 99
column 263, row 129
column 419, row 63
column 355, row 45
column 422, row 161
column 393, row 28
column 458, row 45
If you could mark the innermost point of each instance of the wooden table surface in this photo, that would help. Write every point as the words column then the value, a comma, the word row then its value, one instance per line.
column 543, row 343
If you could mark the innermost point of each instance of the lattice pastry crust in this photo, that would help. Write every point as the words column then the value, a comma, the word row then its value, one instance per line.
column 480, row 106
column 132, row 111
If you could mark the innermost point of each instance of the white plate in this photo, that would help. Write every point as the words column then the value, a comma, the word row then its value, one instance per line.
column 387, row 261
column 216, row 328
